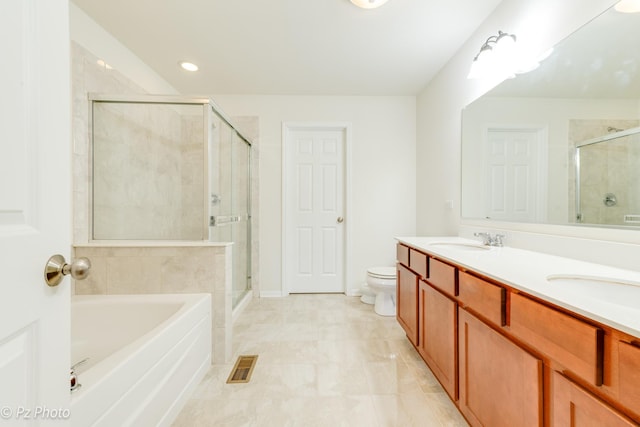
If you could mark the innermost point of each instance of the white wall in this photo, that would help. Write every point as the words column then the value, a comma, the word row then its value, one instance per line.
column 382, row 173
column 539, row 25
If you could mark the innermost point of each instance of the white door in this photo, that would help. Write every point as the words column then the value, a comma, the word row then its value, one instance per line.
column 512, row 174
column 35, row 204
column 314, row 210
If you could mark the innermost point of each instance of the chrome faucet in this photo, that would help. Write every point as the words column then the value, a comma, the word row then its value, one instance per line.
column 489, row 239
column 73, row 376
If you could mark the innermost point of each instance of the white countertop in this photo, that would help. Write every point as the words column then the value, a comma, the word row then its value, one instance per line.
column 528, row 271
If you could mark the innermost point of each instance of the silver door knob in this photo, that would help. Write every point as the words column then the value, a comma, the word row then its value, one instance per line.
column 340, row 220
column 57, row 268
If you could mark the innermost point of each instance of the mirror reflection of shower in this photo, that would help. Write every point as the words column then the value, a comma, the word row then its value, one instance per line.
column 608, row 178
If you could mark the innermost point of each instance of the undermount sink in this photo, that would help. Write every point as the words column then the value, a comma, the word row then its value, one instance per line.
column 461, row 245
column 610, row 290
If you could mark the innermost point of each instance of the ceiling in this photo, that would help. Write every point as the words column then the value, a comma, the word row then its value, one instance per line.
column 292, row 47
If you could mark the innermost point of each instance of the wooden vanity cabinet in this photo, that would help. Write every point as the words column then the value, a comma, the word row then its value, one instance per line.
column 500, row 384
column 571, row 405
column 437, row 325
column 629, row 375
column 407, row 302
column 507, row 358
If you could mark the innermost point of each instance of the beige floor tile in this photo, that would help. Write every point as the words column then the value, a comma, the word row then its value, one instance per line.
column 324, row 360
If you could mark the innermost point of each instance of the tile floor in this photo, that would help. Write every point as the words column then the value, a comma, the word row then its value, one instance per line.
column 324, row 360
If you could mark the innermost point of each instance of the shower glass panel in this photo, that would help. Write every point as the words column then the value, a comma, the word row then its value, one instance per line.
column 148, row 171
column 230, row 200
column 608, row 179
column 171, row 168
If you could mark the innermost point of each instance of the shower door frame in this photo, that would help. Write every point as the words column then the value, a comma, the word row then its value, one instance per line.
column 206, row 104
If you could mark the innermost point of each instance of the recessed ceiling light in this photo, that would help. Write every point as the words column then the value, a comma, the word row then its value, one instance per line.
column 368, row 4
column 628, row 6
column 189, row 66
column 103, row 64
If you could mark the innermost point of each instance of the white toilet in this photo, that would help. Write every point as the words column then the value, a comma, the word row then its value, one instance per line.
column 382, row 281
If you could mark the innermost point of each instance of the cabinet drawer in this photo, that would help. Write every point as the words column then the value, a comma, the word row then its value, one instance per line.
column 576, row 345
column 442, row 276
column 402, row 254
column 629, row 375
column 482, row 297
column 418, row 262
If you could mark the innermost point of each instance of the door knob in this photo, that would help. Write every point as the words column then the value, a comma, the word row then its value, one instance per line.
column 340, row 220
column 57, row 268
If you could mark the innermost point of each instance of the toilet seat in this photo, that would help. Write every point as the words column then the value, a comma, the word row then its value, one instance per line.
column 382, row 272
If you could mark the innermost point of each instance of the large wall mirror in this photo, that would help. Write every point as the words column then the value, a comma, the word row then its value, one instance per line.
column 561, row 144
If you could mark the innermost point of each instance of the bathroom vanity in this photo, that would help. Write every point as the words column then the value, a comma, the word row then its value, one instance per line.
column 520, row 338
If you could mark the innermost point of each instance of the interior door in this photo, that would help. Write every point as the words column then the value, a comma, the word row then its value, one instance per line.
column 512, row 174
column 314, row 230
column 35, row 204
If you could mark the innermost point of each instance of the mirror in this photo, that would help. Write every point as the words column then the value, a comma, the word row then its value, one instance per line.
column 527, row 145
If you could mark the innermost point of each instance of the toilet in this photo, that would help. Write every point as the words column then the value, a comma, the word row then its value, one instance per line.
column 382, row 281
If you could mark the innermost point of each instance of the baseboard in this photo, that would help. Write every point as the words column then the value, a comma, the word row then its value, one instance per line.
column 272, row 294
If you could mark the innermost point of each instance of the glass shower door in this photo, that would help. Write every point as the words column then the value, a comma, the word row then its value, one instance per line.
column 229, row 173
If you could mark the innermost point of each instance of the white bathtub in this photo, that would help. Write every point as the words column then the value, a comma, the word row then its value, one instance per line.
column 146, row 355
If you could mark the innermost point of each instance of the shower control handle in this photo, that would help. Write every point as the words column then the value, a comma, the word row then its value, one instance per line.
column 340, row 220
column 57, row 268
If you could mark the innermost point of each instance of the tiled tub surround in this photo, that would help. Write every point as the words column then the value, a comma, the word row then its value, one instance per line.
column 165, row 268
column 523, row 338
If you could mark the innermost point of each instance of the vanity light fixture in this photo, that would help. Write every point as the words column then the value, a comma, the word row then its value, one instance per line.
column 628, row 6
column 189, row 66
column 495, row 56
column 368, row 4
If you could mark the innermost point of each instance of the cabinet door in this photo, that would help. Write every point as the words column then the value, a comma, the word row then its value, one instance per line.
column 407, row 302
column 629, row 375
column 575, row 407
column 500, row 383
column 437, row 324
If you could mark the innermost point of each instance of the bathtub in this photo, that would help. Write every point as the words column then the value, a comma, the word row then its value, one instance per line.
column 145, row 355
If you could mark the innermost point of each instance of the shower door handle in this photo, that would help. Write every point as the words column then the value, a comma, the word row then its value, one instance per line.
column 340, row 220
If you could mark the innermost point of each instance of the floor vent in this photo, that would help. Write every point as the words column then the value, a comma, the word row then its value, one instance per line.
column 241, row 372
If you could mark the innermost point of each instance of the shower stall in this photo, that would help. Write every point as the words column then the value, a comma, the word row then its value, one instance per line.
column 170, row 168
column 608, row 179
